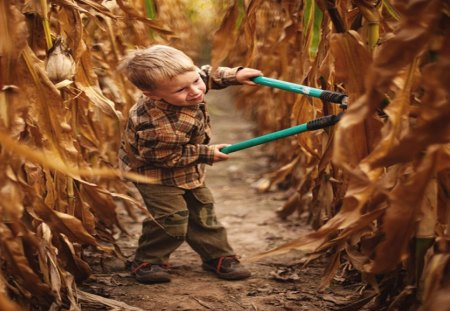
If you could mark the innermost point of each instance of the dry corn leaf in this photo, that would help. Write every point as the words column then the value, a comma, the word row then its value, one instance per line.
column 7, row 304
column 432, row 124
column 48, row 262
column 11, row 206
column 439, row 301
column 436, row 274
column 225, row 37
column 365, row 222
column 50, row 268
column 323, row 200
column 356, row 132
column 114, row 304
column 291, row 205
column 101, row 205
column 19, row 266
column 85, row 80
column 71, row 289
column 84, row 213
column 409, row 40
column 153, row 24
column 443, row 211
column 73, row 5
column 428, row 212
column 13, row 32
column 331, row 268
column 70, row 22
column 397, row 122
column 72, row 262
column 304, row 111
column 357, row 259
column 65, row 224
column 401, row 217
column 98, row 7
column 250, row 27
column 49, row 160
column 49, row 110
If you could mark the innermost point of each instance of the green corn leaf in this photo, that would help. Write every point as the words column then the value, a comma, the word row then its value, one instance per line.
column 241, row 13
column 150, row 10
column 392, row 11
column 312, row 22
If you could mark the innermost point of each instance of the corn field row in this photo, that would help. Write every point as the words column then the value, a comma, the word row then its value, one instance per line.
column 375, row 186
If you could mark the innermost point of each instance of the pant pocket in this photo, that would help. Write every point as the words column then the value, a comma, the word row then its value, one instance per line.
column 176, row 224
column 203, row 195
column 202, row 209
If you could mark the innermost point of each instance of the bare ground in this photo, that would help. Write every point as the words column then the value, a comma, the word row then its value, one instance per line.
column 278, row 283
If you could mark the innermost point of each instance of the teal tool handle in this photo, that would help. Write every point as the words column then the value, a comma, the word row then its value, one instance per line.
column 309, row 126
column 328, row 96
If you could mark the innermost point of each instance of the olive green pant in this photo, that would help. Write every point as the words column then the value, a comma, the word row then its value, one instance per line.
column 180, row 215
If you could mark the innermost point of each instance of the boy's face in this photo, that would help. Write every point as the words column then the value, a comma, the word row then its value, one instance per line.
column 186, row 89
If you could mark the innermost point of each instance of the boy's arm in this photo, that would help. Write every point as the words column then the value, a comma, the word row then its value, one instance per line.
column 168, row 150
column 222, row 77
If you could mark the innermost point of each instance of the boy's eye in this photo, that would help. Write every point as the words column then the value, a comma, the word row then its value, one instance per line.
column 197, row 80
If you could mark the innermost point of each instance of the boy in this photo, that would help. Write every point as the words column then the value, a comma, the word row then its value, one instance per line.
column 167, row 138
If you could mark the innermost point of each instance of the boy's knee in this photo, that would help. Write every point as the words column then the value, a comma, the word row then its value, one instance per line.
column 176, row 224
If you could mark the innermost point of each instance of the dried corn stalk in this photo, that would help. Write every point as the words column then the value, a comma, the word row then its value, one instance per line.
column 365, row 180
column 61, row 111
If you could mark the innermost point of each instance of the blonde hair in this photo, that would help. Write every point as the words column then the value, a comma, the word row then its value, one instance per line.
column 146, row 67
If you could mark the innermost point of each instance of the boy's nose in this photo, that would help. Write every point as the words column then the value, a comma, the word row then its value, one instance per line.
column 195, row 90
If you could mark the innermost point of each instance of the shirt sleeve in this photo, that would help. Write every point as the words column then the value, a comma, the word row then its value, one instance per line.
column 219, row 78
column 161, row 147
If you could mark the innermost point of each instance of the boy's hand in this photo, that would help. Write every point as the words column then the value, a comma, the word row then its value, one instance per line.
column 219, row 156
column 245, row 74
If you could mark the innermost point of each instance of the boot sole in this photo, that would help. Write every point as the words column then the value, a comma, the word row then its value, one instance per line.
column 152, row 278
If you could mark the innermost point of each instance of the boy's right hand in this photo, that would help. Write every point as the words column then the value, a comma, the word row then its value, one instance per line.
column 245, row 75
column 219, row 156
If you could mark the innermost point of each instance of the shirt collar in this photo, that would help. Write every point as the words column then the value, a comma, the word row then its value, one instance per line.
column 163, row 105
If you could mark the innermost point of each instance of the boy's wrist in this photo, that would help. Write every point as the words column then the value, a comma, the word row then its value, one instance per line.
column 231, row 75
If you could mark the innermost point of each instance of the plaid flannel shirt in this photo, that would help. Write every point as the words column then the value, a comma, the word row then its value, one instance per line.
column 170, row 143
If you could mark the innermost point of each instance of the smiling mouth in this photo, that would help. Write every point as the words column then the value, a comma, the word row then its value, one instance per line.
column 197, row 97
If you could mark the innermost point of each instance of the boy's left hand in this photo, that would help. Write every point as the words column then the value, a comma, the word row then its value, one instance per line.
column 219, row 156
column 245, row 74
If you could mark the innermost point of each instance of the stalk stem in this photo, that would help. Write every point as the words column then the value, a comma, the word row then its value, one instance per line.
column 46, row 24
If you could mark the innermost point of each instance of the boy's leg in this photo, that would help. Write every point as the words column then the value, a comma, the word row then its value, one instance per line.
column 168, row 207
column 209, row 238
column 205, row 234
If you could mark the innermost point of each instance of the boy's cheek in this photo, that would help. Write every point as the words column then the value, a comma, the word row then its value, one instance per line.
column 203, row 87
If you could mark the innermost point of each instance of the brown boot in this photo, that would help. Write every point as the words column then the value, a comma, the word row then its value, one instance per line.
column 148, row 273
column 227, row 267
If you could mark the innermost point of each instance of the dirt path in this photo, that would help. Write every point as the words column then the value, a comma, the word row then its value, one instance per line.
column 277, row 283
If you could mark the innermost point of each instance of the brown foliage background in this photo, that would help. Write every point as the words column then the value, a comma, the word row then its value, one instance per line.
column 62, row 105
column 376, row 186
